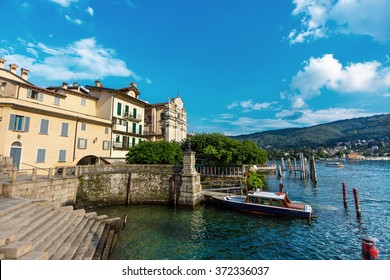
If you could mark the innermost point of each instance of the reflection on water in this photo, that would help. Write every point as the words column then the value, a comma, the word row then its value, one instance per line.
column 160, row 232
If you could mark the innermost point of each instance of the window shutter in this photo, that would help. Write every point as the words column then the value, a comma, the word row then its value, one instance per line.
column 134, row 128
column 62, row 156
column 12, row 122
column 119, row 109
column 86, row 141
column 40, row 96
column 29, row 93
column 44, row 126
column 64, row 129
column 140, row 129
column 41, row 154
column 26, row 124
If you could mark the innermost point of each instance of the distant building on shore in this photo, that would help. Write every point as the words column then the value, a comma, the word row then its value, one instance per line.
column 354, row 156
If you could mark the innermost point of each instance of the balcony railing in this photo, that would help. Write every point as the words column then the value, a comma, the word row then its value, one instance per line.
column 132, row 117
column 121, row 146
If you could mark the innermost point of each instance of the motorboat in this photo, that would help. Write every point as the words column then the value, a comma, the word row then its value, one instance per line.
column 265, row 203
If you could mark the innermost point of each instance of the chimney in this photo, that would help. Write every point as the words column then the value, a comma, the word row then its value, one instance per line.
column 97, row 83
column 24, row 73
column 132, row 84
column 2, row 61
column 65, row 85
column 13, row 67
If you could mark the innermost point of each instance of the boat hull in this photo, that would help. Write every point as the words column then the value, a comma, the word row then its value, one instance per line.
column 258, row 209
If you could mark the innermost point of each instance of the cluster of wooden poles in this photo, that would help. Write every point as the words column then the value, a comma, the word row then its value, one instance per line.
column 307, row 170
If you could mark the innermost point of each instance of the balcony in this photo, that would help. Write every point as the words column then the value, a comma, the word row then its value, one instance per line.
column 121, row 146
column 119, row 127
column 134, row 118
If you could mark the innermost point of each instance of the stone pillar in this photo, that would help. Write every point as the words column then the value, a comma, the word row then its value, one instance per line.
column 190, row 189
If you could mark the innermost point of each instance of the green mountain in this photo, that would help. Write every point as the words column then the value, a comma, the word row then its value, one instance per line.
column 325, row 135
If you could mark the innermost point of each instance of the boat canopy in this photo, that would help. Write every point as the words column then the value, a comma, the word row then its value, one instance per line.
column 269, row 195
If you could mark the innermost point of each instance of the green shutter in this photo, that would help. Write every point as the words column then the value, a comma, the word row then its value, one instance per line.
column 140, row 129
column 119, row 109
column 134, row 128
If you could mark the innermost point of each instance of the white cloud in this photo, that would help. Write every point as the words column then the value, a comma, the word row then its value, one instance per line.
column 249, row 105
column 328, row 72
column 320, row 18
column 148, row 81
column 75, row 21
column 64, row 3
column 90, row 11
column 83, row 59
column 309, row 117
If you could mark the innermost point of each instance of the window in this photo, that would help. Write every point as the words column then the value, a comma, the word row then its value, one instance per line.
column 83, row 101
column 106, row 145
column 106, row 129
column 62, row 156
column 119, row 109
column 41, row 155
column 64, row 129
column 162, row 116
column 19, row 123
column 83, row 126
column 33, row 94
column 82, row 143
column 133, row 142
column 127, row 110
column 140, row 129
column 118, row 138
column 135, row 113
column 134, row 128
column 44, row 129
column 57, row 100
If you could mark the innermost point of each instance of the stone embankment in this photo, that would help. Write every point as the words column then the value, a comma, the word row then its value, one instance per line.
column 38, row 229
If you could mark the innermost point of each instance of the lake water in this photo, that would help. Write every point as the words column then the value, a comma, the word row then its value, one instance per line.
column 161, row 232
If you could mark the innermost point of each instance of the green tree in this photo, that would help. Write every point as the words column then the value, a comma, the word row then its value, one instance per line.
column 161, row 152
column 217, row 149
column 255, row 181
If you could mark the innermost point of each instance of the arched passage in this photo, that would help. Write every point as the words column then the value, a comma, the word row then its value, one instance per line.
column 88, row 160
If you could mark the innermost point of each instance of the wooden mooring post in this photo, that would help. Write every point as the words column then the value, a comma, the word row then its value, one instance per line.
column 313, row 170
column 344, row 186
column 357, row 203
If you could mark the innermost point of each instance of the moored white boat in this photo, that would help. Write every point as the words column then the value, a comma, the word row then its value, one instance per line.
column 265, row 203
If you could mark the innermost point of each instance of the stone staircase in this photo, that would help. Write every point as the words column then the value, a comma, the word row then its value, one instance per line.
column 42, row 230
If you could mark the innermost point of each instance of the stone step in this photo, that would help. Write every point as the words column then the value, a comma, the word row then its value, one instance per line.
column 55, row 232
column 16, row 249
column 108, row 246
column 9, row 205
column 35, row 255
column 88, row 255
column 44, row 231
column 84, row 244
column 67, row 249
column 17, row 213
column 102, row 243
column 78, row 240
column 43, row 215
column 56, row 244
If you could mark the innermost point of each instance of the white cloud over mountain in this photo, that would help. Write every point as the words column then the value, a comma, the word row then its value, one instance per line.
column 327, row 72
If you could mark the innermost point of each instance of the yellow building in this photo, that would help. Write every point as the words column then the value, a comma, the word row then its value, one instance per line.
column 126, row 112
column 42, row 128
column 166, row 121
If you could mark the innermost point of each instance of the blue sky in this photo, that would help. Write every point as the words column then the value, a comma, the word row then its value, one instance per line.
column 240, row 66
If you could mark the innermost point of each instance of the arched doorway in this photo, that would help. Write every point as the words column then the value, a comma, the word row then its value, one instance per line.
column 88, row 160
column 16, row 153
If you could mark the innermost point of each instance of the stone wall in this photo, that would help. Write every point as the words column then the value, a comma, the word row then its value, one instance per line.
column 126, row 184
column 62, row 190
